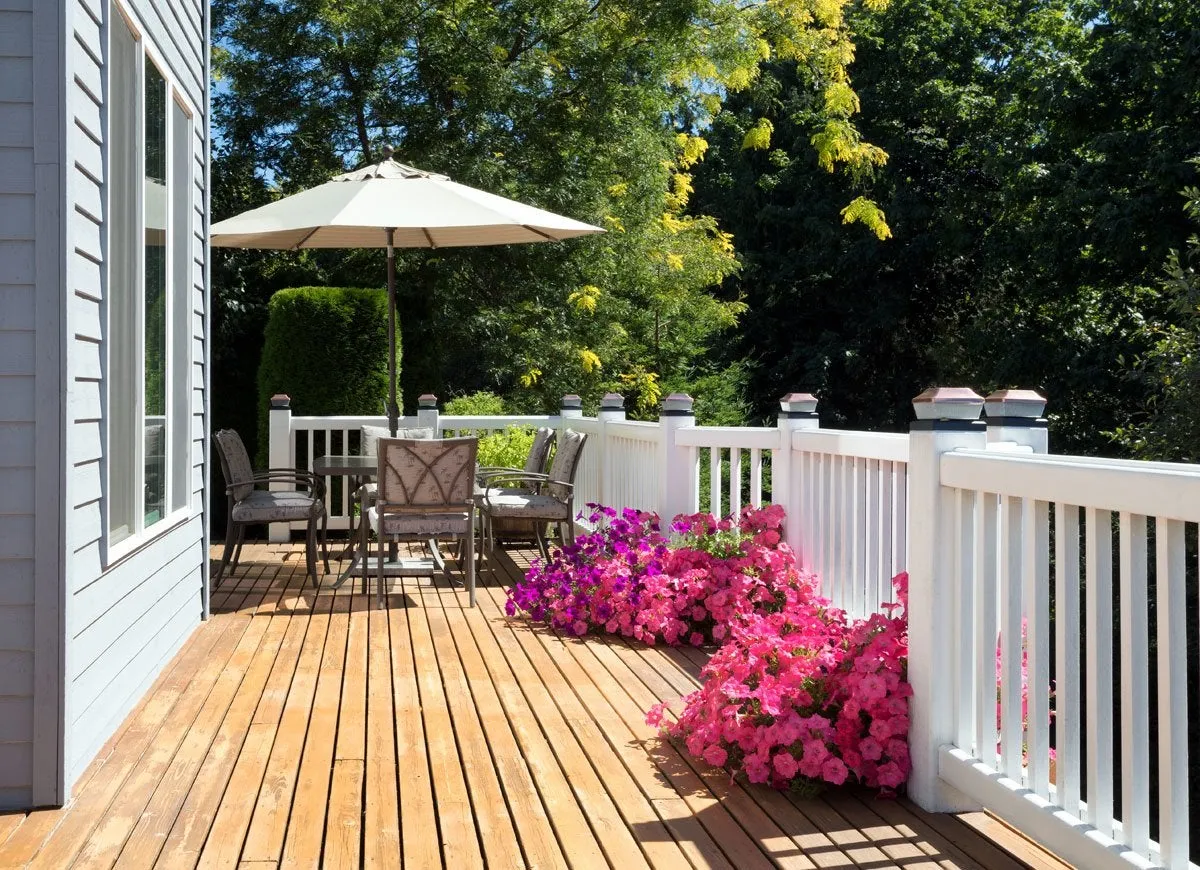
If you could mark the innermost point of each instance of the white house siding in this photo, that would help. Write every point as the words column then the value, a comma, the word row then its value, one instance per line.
column 17, row 405
column 126, row 619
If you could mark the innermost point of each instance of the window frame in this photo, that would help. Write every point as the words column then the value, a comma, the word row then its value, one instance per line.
column 178, row 360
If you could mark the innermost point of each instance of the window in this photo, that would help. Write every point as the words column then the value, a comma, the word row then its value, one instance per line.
column 148, row 297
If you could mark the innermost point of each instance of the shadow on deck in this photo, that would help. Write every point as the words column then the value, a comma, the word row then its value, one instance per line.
column 306, row 728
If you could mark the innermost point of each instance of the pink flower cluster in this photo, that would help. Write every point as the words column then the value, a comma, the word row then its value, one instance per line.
column 795, row 696
column 804, row 696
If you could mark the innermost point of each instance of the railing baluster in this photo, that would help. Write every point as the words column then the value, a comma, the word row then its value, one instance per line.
column 986, row 596
column 1011, row 641
column 875, row 581
column 1099, row 712
column 1135, row 693
column 735, row 480
column 714, row 481
column 858, row 522
column 964, row 624
column 1035, row 570
column 886, row 512
column 1171, row 579
column 756, row 476
column 900, row 519
column 1066, row 648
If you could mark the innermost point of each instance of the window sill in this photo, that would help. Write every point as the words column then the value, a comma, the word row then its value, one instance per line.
column 131, row 546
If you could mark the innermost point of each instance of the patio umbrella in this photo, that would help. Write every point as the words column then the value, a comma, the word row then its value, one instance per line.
column 392, row 205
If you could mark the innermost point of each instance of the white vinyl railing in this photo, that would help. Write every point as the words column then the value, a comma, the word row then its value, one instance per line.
column 1027, row 571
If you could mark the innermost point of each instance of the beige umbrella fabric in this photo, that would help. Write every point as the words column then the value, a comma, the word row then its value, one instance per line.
column 393, row 205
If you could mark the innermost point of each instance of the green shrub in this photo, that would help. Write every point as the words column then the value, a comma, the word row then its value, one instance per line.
column 507, row 449
column 482, row 403
column 326, row 347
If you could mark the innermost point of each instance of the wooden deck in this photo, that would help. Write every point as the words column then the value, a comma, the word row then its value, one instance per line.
column 302, row 729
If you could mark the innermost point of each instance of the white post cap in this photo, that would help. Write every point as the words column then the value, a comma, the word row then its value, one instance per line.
column 1014, row 403
column 678, row 404
column 798, row 404
column 948, row 403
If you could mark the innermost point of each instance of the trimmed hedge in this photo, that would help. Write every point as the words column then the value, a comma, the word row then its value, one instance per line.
column 326, row 347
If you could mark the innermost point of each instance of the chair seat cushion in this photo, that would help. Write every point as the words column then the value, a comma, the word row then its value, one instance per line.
column 522, row 503
column 456, row 523
column 262, row 506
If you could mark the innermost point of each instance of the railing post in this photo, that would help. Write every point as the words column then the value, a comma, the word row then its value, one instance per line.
column 796, row 411
column 280, row 454
column 947, row 419
column 427, row 413
column 679, row 471
column 1015, row 417
column 612, row 407
column 571, row 408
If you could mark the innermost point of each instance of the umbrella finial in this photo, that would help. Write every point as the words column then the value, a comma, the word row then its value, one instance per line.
column 387, row 151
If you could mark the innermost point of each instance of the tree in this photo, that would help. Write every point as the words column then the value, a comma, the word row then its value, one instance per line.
column 587, row 107
column 1024, row 244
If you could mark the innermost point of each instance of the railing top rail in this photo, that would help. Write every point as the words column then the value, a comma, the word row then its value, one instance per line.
column 500, row 421
column 590, row 425
column 1160, row 489
column 342, row 422
column 744, row 437
column 886, row 446
column 635, row 430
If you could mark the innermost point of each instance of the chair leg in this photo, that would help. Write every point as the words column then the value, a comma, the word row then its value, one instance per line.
column 237, row 552
column 540, row 533
column 230, row 537
column 379, row 576
column 325, row 538
column 310, row 551
column 470, row 563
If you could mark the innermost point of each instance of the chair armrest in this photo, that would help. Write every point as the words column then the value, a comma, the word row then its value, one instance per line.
column 287, row 475
column 537, row 478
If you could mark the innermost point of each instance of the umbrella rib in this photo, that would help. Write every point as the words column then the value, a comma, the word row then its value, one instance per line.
column 307, row 236
column 428, row 237
column 538, row 232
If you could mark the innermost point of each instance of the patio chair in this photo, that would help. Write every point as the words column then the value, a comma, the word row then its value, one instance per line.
column 426, row 491
column 494, row 476
column 249, row 505
column 369, row 446
column 553, row 500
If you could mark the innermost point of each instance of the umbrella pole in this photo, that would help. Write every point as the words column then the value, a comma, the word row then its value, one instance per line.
column 393, row 410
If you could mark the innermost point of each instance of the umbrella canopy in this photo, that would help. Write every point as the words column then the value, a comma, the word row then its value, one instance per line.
column 392, row 205
column 426, row 210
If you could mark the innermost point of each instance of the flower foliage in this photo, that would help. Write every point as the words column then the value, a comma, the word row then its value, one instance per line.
column 797, row 695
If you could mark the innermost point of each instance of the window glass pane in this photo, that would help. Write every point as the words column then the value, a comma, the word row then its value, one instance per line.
column 155, row 300
column 181, row 293
column 122, row 377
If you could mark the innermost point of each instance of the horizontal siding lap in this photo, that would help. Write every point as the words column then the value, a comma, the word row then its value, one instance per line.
column 16, row 400
column 16, row 217
column 16, row 672
column 17, row 445
column 86, row 277
column 16, row 353
column 83, row 401
column 85, row 233
column 16, row 33
column 87, row 153
column 16, row 718
column 85, row 482
column 85, row 358
column 16, row 798
column 86, row 524
column 87, row 33
column 186, row 69
column 16, row 125
column 85, row 441
column 16, row 582
column 16, row 80
column 86, row 191
column 16, row 257
column 86, row 110
column 16, row 628
column 16, row 494
column 85, row 318
column 112, row 707
column 130, row 660
column 16, row 305
column 16, row 762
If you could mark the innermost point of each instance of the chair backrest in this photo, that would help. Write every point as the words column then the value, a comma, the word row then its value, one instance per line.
column 566, row 462
column 543, row 440
column 372, row 434
column 235, row 463
column 427, row 473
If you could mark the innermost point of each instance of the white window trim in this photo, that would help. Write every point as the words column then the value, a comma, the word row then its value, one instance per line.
column 142, row 535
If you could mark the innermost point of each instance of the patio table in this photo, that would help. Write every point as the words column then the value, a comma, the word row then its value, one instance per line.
column 360, row 469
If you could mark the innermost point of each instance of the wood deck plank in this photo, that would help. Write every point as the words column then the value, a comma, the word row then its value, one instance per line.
column 469, row 678
column 659, row 846
column 306, row 828
column 602, row 812
column 456, row 819
column 420, row 846
column 564, row 812
column 309, row 729
column 381, row 809
column 187, row 836
column 268, row 825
